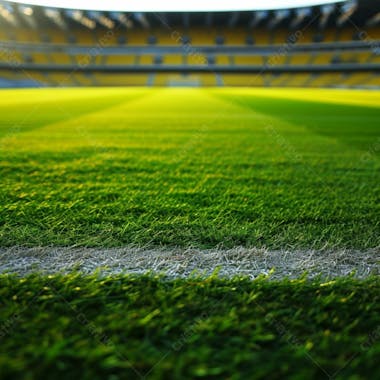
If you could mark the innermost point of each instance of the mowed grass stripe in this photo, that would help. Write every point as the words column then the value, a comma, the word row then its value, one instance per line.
column 194, row 168
column 323, row 116
column 30, row 109
column 321, row 95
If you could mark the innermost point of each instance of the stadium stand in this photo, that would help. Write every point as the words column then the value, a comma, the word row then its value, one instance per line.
column 50, row 47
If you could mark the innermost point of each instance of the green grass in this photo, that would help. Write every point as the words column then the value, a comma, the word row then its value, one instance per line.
column 176, row 167
column 61, row 327
column 204, row 168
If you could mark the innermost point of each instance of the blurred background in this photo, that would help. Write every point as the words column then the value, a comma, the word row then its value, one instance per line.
column 329, row 45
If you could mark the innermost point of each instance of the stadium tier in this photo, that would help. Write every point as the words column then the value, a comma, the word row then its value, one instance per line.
column 50, row 47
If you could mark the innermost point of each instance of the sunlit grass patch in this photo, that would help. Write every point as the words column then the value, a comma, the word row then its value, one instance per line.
column 188, row 167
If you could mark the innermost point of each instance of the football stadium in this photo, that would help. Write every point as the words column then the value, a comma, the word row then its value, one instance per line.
column 189, row 190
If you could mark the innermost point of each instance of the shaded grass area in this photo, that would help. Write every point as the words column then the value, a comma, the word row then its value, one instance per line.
column 201, row 168
column 130, row 327
column 337, row 121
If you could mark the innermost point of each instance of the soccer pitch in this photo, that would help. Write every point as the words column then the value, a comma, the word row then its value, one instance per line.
column 167, row 179
column 190, row 168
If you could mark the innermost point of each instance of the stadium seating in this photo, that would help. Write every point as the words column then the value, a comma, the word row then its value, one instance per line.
column 197, row 55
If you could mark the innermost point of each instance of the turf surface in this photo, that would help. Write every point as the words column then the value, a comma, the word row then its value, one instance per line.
column 144, row 327
column 189, row 167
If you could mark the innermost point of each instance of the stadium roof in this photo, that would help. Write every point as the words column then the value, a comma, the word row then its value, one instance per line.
column 176, row 6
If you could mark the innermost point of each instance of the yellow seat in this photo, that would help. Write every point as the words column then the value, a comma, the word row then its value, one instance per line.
column 250, row 80
column 146, row 59
column 60, row 58
column 222, row 59
column 299, row 59
column 173, row 59
column 108, row 79
column 120, row 60
column 248, row 60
